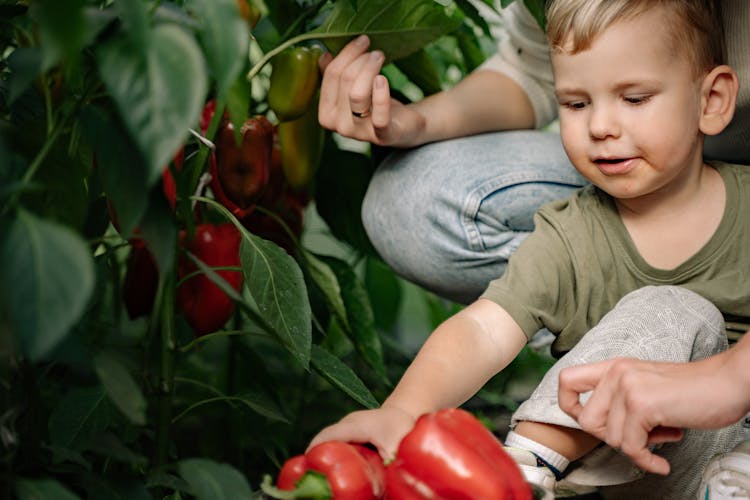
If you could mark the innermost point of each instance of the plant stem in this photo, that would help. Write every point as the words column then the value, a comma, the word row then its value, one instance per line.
column 166, row 377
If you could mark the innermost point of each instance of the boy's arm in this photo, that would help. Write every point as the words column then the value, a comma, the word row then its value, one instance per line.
column 458, row 358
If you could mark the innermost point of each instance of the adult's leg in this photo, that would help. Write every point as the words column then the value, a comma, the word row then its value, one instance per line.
column 447, row 216
column 654, row 323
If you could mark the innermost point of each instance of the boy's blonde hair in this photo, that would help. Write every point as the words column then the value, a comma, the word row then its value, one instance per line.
column 695, row 27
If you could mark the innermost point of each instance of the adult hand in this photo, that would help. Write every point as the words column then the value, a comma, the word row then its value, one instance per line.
column 635, row 403
column 355, row 99
column 383, row 428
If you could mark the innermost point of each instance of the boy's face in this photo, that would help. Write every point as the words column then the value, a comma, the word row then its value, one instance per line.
column 630, row 108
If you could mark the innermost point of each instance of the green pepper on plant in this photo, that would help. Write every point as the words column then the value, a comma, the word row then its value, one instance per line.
column 295, row 78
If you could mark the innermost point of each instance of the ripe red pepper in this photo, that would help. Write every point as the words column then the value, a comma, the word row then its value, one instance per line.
column 205, row 306
column 240, row 173
column 449, row 454
column 353, row 471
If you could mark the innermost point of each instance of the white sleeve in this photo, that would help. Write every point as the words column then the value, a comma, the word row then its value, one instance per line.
column 523, row 55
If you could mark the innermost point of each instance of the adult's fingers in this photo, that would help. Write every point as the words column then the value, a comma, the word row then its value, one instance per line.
column 362, row 81
column 381, row 107
column 576, row 380
column 334, row 68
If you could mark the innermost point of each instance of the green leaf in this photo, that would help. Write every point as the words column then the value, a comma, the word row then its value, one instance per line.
column 341, row 376
column 340, row 186
column 326, row 280
column 159, row 91
column 62, row 29
column 47, row 277
column 473, row 13
column 121, row 387
column 43, row 489
column 277, row 286
column 538, row 10
column 384, row 289
column 361, row 319
column 225, row 40
column 421, row 70
column 81, row 414
column 25, row 64
column 211, row 480
column 396, row 27
column 120, row 165
column 255, row 402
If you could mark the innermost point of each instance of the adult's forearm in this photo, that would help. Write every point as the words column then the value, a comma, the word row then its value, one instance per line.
column 484, row 101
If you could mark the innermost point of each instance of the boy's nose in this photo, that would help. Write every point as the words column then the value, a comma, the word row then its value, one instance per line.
column 603, row 122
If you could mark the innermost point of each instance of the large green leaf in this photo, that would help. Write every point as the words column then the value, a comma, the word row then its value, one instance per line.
column 159, row 90
column 211, row 480
column 121, row 387
column 46, row 280
column 225, row 40
column 43, row 489
column 341, row 376
column 396, row 27
column 81, row 414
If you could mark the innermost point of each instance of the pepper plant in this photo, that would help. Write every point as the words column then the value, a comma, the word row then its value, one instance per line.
column 164, row 330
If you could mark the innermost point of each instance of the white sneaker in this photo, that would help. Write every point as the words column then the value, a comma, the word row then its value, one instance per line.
column 727, row 475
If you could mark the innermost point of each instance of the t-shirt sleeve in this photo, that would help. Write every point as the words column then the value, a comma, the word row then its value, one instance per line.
column 523, row 55
column 537, row 286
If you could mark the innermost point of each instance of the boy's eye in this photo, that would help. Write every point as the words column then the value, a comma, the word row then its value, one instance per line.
column 637, row 99
column 575, row 105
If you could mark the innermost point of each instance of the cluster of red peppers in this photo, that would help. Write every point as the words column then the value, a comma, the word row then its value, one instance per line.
column 271, row 167
column 448, row 455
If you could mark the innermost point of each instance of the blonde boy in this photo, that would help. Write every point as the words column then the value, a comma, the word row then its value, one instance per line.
column 643, row 263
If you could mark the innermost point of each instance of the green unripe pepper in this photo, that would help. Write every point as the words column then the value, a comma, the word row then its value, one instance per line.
column 301, row 147
column 294, row 81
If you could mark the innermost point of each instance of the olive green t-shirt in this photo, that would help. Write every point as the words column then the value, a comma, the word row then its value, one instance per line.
column 580, row 261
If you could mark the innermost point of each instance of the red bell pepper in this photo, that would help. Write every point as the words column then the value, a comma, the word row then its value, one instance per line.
column 239, row 174
column 449, row 454
column 354, row 472
column 205, row 306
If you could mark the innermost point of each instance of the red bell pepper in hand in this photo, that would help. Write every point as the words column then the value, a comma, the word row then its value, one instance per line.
column 205, row 306
column 449, row 454
column 354, row 472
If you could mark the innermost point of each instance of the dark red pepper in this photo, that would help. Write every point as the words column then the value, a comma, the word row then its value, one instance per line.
column 205, row 306
column 449, row 454
column 354, row 472
column 141, row 280
column 239, row 174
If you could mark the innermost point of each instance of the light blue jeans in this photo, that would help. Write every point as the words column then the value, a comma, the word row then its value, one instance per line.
column 448, row 215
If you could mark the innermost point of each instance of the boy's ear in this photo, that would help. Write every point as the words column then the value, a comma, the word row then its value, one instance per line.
column 718, row 99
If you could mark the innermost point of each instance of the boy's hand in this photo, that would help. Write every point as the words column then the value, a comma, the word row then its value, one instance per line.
column 383, row 428
column 355, row 99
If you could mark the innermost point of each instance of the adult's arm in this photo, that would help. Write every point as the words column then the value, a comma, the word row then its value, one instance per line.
column 636, row 403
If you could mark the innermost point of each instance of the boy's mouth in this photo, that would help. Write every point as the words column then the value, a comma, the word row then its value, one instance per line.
column 614, row 166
